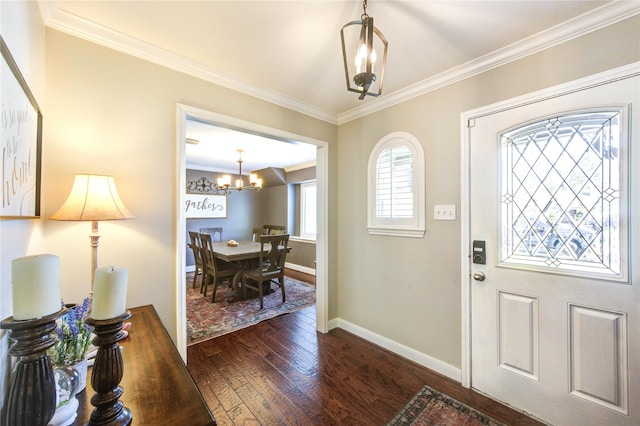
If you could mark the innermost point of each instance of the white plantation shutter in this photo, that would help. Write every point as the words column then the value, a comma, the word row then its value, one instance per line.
column 396, row 187
column 394, row 183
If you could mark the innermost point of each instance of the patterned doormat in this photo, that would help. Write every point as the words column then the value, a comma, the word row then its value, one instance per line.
column 430, row 407
column 206, row 320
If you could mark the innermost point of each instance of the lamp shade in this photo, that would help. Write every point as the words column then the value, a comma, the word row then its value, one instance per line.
column 93, row 197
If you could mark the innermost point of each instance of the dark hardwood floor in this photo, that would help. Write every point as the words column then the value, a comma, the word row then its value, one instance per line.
column 282, row 371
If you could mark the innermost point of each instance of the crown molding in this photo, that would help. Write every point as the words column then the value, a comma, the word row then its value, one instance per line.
column 68, row 23
column 591, row 21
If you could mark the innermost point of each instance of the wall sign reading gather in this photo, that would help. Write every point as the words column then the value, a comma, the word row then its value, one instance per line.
column 209, row 206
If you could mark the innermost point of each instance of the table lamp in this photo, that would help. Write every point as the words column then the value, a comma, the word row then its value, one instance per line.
column 93, row 198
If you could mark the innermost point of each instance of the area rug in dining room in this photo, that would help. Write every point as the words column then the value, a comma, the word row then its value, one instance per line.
column 430, row 407
column 206, row 320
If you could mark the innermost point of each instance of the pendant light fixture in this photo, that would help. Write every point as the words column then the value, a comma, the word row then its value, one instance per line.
column 360, row 58
column 223, row 183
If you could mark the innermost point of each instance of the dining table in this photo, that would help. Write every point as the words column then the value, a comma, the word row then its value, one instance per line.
column 245, row 253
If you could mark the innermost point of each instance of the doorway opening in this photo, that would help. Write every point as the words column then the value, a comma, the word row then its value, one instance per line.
column 185, row 113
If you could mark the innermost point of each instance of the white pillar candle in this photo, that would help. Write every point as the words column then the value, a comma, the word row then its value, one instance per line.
column 109, row 293
column 35, row 283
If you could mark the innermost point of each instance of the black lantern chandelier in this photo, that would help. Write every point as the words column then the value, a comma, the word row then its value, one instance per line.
column 359, row 55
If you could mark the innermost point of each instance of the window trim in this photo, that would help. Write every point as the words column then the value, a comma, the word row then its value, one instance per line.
column 388, row 226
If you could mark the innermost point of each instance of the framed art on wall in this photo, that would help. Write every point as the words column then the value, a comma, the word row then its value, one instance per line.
column 21, row 143
column 205, row 206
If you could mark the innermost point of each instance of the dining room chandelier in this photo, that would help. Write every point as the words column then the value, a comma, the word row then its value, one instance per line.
column 223, row 183
column 359, row 55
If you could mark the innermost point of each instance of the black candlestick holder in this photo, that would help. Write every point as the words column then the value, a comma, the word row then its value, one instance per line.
column 107, row 372
column 32, row 393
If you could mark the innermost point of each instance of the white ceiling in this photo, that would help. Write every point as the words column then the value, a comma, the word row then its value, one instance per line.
column 288, row 52
column 217, row 150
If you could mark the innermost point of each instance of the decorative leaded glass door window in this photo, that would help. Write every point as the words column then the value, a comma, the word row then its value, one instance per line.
column 562, row 194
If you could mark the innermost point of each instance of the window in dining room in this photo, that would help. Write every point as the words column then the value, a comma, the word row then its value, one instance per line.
column 308, row 210
column 396, row 189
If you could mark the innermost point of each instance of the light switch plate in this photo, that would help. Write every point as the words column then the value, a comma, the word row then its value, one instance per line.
column 444, row 212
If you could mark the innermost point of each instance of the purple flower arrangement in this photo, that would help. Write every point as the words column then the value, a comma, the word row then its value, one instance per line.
column 74, row 336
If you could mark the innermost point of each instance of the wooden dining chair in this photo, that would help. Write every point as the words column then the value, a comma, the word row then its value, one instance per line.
column 273, row 252
column 196, row 246
column 255, row 234
column 213, row 232
column 274, row 229
column 216, row 270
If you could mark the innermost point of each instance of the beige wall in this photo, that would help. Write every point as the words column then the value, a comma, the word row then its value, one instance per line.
column 406, row 289
column 303, row 253
column 276, row 205
column 109, row 113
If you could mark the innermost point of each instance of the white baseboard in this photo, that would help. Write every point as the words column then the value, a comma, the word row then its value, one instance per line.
column 190, row 268
column 331, row 324
column 397, row 348
column 300, row 268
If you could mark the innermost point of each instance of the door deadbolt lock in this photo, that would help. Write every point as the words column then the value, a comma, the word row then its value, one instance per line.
column 479, row 253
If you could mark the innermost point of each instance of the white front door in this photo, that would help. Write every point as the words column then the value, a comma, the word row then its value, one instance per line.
column 555, row 309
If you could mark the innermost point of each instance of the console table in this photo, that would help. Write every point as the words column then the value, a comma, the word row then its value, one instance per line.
column 158, row 389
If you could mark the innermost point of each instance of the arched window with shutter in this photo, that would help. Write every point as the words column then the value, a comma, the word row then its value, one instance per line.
column 396, row 187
